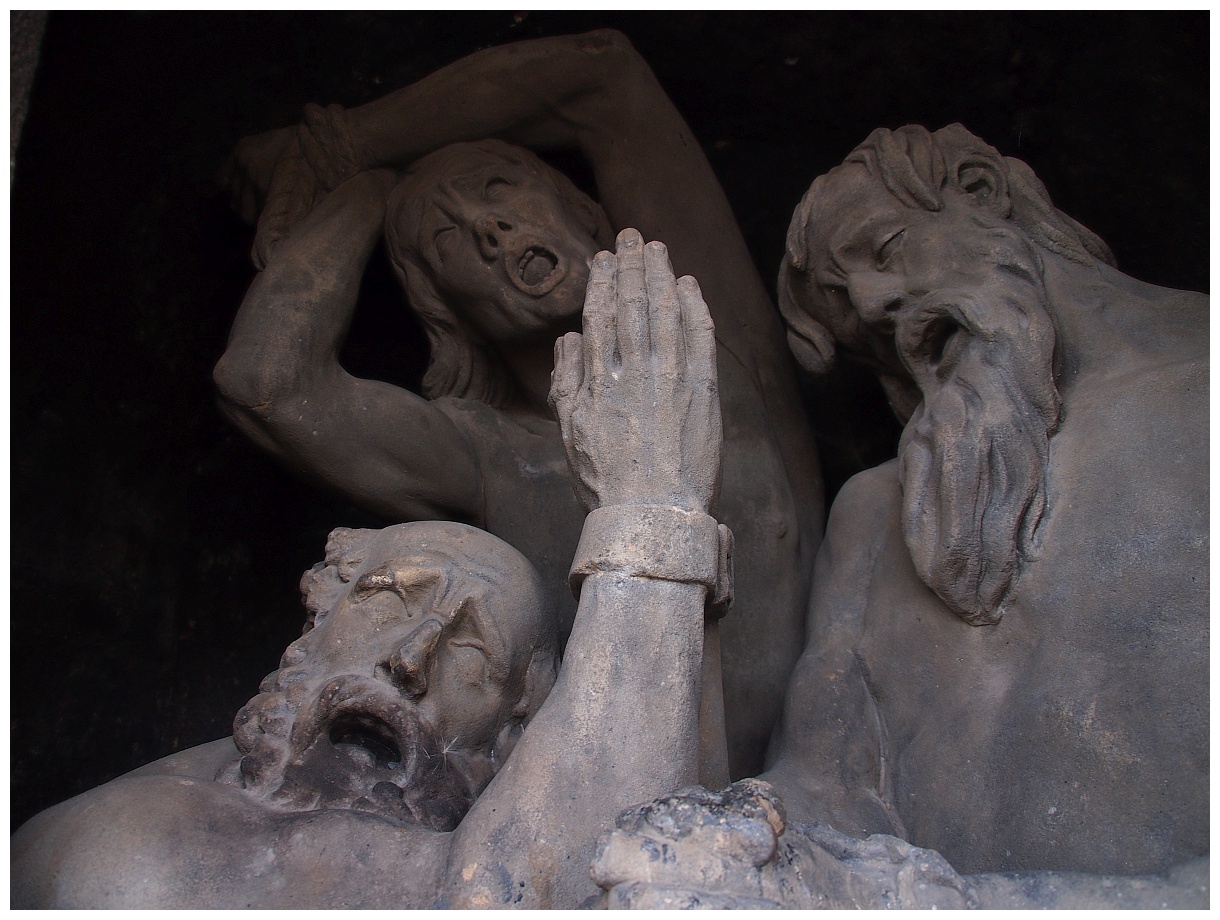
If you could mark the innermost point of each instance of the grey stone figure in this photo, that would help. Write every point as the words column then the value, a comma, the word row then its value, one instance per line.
column 1006, row 674
column 493, row 248
column 429, row 650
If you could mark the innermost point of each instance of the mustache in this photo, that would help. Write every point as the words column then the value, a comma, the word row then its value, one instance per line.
column 973, row 458
column 354, row 744
column 365, row 711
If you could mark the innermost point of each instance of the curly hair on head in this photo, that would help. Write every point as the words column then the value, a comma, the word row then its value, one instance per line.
column 321, row 585
column 916, row 166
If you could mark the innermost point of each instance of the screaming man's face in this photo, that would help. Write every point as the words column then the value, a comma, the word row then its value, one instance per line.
column 397, row 701
column 506, row 253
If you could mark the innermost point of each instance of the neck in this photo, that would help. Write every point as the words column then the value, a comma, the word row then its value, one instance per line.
column 530, row 364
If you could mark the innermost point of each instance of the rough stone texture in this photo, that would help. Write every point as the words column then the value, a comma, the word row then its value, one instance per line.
column 492, row 248
column 351, row 779
column 158, row 549
column 427, row 649
column 1008, row 659
column 735, row 850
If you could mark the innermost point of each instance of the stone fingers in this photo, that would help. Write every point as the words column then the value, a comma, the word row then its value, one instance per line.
column 664, row 312
column 634, row 336
column 600, row 321
column 699, row 332
column 566, row 379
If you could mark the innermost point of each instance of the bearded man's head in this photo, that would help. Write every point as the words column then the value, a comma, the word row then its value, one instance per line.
column 922, row 256
column 427, row 649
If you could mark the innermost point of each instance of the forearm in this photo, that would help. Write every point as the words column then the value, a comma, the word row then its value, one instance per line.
column 619, row 727
column 542, row 93
column 296, row 313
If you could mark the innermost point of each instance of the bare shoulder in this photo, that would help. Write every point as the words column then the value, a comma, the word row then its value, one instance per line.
column 115, row 846
column 203, row 761
column 158, row 840
column 865, row 503
column 864, row 519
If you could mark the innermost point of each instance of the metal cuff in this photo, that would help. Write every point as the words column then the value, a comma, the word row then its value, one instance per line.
column 658, row 541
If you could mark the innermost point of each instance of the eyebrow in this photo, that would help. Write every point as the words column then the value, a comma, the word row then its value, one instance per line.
column 387, row 578
column 433, row 210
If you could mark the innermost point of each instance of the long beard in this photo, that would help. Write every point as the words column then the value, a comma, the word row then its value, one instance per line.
column 350, row 745
column 973, row 457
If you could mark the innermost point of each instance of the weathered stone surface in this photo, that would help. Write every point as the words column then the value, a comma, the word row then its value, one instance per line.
column 181, row 539
column 734, row 850
column 987, row 597
column 373, row 769
column 492, row 248
column 1008, row 656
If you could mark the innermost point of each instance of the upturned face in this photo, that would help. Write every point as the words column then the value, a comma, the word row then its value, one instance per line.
column 395, row 701
column 506, row 253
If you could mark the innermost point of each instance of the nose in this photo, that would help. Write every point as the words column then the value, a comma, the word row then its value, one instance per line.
column 408, row 665
column 877, row 296
column 489, row 231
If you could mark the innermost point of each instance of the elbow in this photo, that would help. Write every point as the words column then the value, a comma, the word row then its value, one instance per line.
column 250, row 390
column 610, row 51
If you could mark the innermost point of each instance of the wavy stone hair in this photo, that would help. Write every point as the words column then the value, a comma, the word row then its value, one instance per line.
column 916, row 166
column 462, row 363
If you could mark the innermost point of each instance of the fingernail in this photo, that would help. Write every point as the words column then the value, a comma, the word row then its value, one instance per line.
column 603, row 259
column 657, row 246
column 629, row 238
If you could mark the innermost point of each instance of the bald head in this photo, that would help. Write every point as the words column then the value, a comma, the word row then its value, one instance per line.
column 427, row 649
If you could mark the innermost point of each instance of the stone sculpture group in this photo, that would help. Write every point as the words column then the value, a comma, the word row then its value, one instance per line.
column 990, row 690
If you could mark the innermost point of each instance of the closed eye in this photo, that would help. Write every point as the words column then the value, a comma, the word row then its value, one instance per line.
column 471, row 662
column 444, row 238
column 495, row 186
column 888, row 248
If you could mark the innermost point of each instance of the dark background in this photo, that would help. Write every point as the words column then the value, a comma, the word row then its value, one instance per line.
column 155, row 553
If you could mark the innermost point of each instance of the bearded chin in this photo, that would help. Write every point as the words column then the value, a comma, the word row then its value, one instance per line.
column 378, row 759
column 973, row 458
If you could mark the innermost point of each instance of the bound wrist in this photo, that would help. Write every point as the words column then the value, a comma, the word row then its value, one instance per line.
column 658, row 541
column 329, row 146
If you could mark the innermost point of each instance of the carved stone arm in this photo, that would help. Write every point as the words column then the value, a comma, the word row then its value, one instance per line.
column 733, row 849
column 637, row 402
column 591, row 92
column 281, row 383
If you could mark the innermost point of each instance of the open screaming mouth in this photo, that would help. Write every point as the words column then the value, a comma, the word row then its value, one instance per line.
column 537, row 271
column 367, row 723
column 366, row 738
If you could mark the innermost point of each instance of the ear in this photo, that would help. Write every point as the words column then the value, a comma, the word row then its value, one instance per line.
column 540, row 676
column 509, row 735
column 983, row 178
column 813, row 347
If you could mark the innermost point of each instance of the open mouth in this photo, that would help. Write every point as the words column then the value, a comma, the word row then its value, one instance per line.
column 358, row 733
column 366, row 740
column 537, row 270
